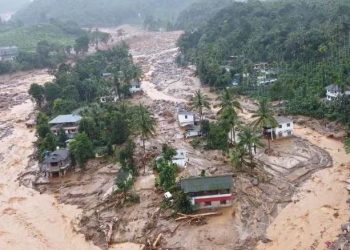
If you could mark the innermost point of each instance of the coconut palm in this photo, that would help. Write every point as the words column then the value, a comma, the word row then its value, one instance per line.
column 199, row 102
column 228, row 111
column 239, row 157
column 265, row 118
column 145, row 126
column 250, row 139
column 228, row 101
column 230, row 117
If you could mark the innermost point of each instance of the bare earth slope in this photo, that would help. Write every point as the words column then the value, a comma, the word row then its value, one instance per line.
column 301, row 202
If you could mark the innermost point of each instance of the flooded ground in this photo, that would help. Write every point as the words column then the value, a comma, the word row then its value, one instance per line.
column 28, row 220
column 300, row 200
column 320, row 206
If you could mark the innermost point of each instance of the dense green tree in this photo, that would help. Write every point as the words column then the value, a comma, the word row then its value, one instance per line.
column 81, row 44
column 250, row 139
column 81, row 149
column 87, row 125
column 239, row 157
column 167, row 174
column 217, row 137
column 37, row 92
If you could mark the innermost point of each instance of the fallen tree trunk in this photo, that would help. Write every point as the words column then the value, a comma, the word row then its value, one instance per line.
column 155, row 243
column 195, row 216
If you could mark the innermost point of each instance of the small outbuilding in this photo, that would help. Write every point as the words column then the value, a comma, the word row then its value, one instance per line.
column 208, row 191
column 186, row 119
column 56, row 163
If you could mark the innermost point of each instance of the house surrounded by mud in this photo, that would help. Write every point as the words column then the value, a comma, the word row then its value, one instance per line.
column 180, row 159
column 56, row 163
column 284, row 128
column 186, row 119
column 69, row 124
column 208, row 191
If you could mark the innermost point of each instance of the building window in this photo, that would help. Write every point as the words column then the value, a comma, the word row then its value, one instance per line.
column 224, row 202
column 207, row 203
column 288, row 124
column 185, row 116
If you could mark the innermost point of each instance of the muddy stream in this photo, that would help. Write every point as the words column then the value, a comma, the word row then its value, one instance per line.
column 30, row 220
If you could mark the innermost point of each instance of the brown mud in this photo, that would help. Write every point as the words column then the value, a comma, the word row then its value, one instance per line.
column 268, row 203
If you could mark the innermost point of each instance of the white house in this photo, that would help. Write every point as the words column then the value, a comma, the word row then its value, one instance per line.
column 180, row 159
column 284, row 129
column 135, row 87
column 186, row 119
column 333, row 91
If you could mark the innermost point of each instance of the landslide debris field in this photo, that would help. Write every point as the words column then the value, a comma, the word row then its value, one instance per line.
column 259, row 199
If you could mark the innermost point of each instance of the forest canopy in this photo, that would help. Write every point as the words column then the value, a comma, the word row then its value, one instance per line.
column 307, row 42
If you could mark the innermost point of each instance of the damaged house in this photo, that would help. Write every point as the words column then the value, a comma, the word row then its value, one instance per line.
column 56, row 163
column 208, row 191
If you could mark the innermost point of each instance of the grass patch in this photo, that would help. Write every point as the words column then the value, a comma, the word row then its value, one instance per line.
column 27, row 37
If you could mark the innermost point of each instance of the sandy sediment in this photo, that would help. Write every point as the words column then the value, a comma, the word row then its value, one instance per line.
column 28, row 220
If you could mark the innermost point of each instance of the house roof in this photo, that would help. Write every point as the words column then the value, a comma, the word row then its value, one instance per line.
column 282, row 119
column 65, row 119
column 180, row 154
column 333, row 88
column 208, row 183
column 184, row 112
column 57, row 156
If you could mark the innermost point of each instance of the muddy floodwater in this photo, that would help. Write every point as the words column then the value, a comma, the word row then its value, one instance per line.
column 28, row 220
column 301, row 207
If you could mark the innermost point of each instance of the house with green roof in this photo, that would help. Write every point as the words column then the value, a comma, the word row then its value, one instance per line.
column 208, row 191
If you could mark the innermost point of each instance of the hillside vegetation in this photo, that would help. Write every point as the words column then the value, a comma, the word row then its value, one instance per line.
column 307, row 42
column 199, row 13
column 102, row 12
column 27, row 37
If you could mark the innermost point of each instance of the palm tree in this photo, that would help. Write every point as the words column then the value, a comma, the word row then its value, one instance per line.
column 228, row 106
column 238, row 157
column 265, row 118
column 230, row 117
column 227, row 101
column 199, row 102
column 145, row 126
column 250, row 139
